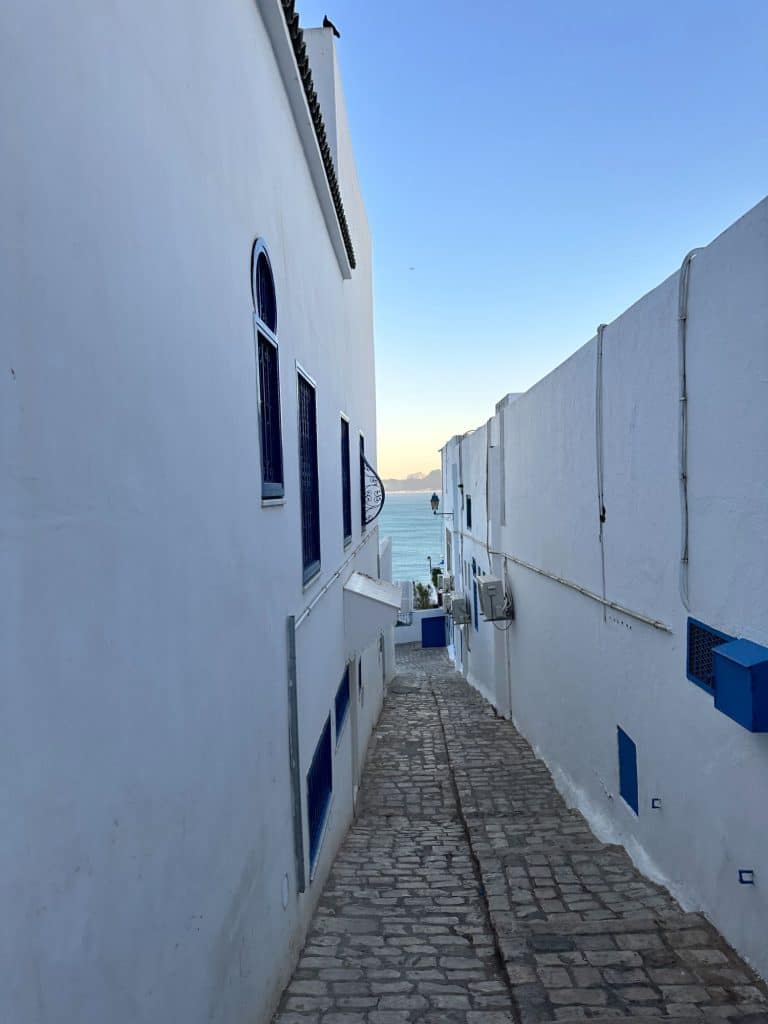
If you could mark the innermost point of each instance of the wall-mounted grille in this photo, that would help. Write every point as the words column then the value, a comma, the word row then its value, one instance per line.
column 319, row 789
column 346, row 482
column 266, row 304
column 269, row 403
column 342, row 703
column 310, row 494
column 702, row 640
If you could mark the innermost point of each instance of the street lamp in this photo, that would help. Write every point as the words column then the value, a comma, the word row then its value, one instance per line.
column 434, row 501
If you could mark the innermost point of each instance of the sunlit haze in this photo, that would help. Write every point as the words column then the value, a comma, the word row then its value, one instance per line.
column 530, row 170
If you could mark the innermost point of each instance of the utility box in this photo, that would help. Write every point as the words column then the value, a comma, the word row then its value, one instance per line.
column 741, row 683
column 460, row 611
column 493, row 603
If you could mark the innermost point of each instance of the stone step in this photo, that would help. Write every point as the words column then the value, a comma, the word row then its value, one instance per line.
column 567, row 925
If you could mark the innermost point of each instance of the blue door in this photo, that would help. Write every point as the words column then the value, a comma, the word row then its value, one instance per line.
column 433, row 632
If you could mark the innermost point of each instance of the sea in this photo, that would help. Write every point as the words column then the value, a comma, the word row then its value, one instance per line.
column 416, row 534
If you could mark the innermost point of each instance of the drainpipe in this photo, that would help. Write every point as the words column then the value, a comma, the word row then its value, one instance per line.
column 682, row 330
column 600, row 454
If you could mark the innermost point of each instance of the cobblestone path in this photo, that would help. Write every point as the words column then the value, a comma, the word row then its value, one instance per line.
column 466, row 892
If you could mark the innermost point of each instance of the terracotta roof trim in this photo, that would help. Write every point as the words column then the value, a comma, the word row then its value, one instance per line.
column 305, row 73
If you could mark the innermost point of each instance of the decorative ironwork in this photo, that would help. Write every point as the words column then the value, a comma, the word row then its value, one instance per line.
column 373, row 491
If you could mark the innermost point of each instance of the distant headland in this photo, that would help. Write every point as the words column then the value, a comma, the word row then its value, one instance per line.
column 431, row 481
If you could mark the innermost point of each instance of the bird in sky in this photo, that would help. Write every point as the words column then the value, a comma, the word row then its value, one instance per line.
column 327, row 23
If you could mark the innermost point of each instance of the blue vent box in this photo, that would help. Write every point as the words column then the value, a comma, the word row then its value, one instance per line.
column 741, row 683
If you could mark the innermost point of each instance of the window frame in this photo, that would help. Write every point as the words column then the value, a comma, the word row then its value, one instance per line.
column 340, row 722
column 346, row 484
column 272, row 490
column 361, row 446
column 320, row 820
column 310, row 569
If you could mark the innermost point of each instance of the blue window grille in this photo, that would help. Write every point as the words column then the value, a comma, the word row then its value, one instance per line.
column 265, row 318
column 319, row 790
column 469, row 513
column 264, row 288
column 342, row 703
column 474, row 597
column 362, row 483
column 272, row 485
column 628, row 770
column 308, row 476
column 702, row 640
column 346, row 482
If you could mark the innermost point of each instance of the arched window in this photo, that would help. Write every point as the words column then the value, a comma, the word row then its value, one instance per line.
column 265, row 322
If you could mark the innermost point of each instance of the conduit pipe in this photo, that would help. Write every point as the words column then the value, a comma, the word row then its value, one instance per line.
column 614, row 605
column 684, row 280
column 600, row 451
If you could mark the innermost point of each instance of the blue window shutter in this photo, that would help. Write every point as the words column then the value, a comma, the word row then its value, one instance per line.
column 346, row 482
column 269, row 420
column 319, row 789
column 308, row 476
column 474, row 594
column 628, row 770
column 342, row 703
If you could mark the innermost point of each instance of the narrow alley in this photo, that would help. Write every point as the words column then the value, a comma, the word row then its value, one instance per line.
column 466, row 891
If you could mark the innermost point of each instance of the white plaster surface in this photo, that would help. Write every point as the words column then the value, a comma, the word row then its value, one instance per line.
column 145, row 806
column 570, row 673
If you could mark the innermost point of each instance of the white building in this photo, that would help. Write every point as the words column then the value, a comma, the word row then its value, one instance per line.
column 187, row 382
column 623, row 502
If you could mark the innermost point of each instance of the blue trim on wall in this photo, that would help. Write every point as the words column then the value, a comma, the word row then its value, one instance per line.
column 628, row 770
column 319, row 790
column 342, row 703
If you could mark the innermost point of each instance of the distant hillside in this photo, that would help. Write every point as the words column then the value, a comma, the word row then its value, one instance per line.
column 416, row 482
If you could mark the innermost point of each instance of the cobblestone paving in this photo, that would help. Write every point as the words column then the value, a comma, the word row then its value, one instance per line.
column 466, row 891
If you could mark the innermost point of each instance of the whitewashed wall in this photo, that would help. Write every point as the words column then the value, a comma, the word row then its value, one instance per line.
column 145, row 805
column 571, row 672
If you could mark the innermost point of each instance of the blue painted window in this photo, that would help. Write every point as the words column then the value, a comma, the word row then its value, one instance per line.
column 360, row 690
column 265, row 319
column 362, row 483
column 346, row 482
column 469, row 513
column 702, row 640
column 474, row 596
column 342, row 703
column 319, row 790
column 628, row 770
column 308, row 476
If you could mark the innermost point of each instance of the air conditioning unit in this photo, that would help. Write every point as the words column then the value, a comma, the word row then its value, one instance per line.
column 460, row 611
column 448, row 603
column 493, row 602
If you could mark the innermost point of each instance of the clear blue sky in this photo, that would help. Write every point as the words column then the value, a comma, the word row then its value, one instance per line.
column 540, row 166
